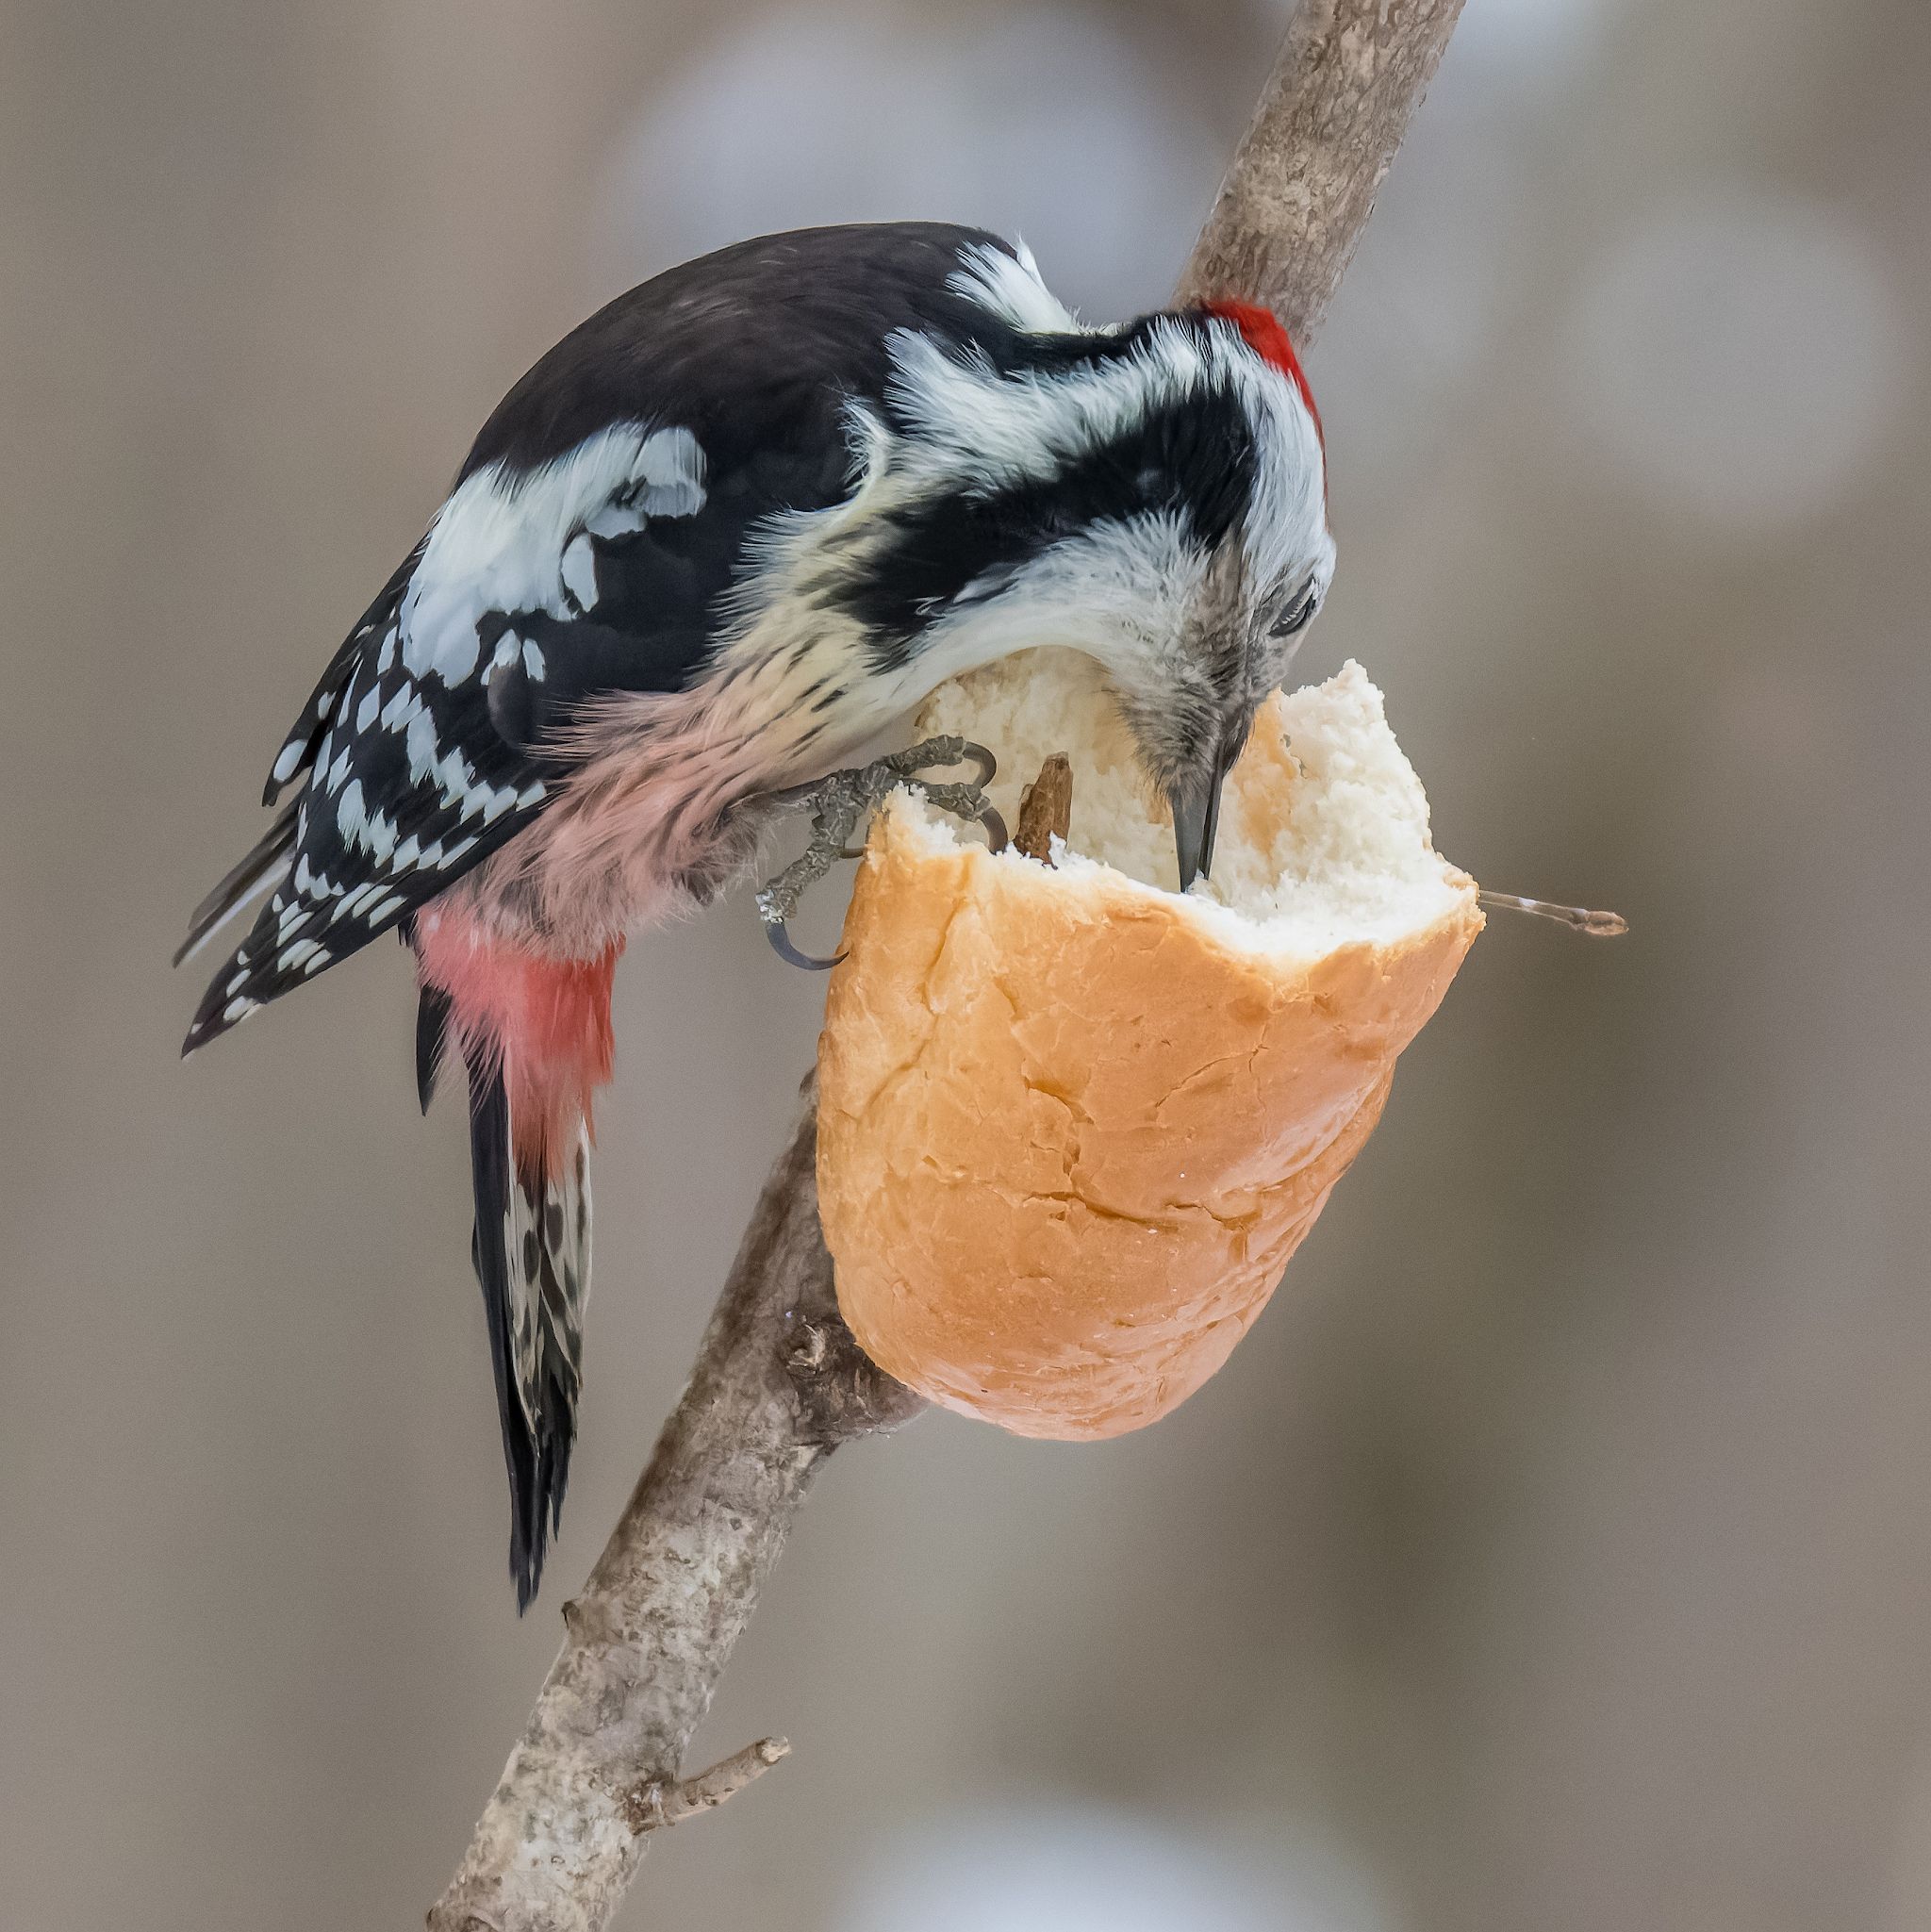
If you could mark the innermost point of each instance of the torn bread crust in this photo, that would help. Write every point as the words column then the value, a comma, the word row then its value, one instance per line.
column 1073, row 1124
column 1324, row 826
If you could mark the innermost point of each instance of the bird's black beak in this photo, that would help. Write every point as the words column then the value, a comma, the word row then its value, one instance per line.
column 1197, row 813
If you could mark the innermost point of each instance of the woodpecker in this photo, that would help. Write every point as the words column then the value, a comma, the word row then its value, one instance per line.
column 726, row 531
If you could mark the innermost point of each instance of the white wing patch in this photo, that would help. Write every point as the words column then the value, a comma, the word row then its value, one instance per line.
column 579, row 577
column 509, row 540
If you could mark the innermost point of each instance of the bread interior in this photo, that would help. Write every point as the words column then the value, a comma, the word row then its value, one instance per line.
column 1324, row 831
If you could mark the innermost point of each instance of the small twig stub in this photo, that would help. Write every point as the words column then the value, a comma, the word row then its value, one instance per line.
column 659, row 1802
column 1045, row 809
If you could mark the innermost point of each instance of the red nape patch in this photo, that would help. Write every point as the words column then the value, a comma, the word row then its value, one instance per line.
column 1261, row 331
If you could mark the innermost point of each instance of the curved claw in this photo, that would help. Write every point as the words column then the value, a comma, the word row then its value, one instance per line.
column 781, row 946
column 996, row 838
column 988, row 770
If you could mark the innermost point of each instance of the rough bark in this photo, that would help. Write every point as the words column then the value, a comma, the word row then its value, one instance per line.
column 1302, row 184
column 779, row 1382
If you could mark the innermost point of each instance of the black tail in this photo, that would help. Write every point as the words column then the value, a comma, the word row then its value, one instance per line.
column 532, row 1251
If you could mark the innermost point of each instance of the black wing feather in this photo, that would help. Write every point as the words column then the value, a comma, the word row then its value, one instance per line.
column 296, row 757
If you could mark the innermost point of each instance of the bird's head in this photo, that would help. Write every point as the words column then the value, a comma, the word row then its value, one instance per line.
column 1154, row 496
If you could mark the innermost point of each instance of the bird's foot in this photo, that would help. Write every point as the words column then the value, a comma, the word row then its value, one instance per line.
column 842, row 799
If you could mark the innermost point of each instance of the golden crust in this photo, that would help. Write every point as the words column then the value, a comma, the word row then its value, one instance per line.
column 1068, row 1136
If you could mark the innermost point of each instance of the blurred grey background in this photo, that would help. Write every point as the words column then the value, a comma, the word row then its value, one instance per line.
column 1556, row 1552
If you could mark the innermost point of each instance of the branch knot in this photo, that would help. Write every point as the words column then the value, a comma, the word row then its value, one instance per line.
column 843, row 1392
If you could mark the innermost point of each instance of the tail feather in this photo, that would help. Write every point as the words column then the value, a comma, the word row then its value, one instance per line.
column 432, row 1041
column 535, row 1036
column 532, row 1252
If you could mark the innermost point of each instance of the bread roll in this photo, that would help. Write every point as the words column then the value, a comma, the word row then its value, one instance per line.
column 1071, row 1123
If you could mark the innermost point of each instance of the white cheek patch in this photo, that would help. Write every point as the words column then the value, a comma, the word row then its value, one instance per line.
column 1286, row 530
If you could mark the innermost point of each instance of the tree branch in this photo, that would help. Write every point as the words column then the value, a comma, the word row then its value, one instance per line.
column 1302, row 184
column 655, row 1804
column 779, row 1382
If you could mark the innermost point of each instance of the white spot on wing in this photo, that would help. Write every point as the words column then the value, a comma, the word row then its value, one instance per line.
column 422, row 745
column 618, row 519
column 348, row 818
column 580, row 572
column 379, row 836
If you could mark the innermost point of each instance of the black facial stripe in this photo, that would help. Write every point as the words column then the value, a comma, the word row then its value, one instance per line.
column 1194, row 459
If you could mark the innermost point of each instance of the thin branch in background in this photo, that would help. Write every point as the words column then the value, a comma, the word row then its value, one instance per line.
column 779, row 1382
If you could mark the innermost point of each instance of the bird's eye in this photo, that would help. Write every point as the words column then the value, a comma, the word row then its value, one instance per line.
column 1294, row 618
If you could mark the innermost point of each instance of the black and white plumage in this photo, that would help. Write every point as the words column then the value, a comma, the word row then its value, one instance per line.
column 722, row 534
